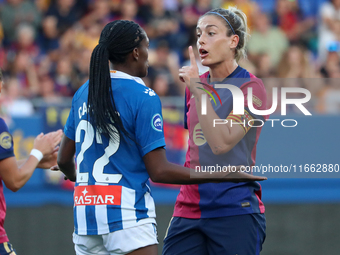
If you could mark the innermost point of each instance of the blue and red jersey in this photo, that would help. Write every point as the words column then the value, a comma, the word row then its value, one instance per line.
column 211, row 200
column 6, row 151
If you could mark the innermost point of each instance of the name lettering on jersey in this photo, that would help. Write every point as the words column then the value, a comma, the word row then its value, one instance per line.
column 157, row 122
column 82, row 110
column 5, row 140
column 97, row 195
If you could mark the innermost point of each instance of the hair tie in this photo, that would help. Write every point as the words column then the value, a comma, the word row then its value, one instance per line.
column 225, row 20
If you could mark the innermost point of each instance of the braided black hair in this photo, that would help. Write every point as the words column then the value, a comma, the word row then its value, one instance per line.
column 117, row 40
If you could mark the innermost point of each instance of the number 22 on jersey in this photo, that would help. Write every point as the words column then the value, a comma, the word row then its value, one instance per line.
column 98, row 166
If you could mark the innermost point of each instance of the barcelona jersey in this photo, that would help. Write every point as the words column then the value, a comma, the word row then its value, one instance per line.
column 112, row 189
column 6, row 151
column 211, row 200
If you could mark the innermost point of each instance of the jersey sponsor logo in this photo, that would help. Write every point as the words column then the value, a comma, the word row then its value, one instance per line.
column 97, row 195
column 157, row 122
column 245, row 204
column 150, row 92
column 198, row 136
column 5, row 140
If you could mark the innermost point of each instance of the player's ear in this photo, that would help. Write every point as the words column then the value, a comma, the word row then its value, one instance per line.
column 234, row 41
column 135, row 54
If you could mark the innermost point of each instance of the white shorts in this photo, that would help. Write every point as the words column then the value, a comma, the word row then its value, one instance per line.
column 119, row 242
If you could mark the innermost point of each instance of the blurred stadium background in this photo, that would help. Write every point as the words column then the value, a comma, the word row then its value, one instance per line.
column 45, row 52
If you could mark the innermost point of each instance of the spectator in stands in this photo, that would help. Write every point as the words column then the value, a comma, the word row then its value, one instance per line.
column 332, row 66
column 128, row 11
column 248, row 7
column 292, row 21
column 82, row 67
column 165, row 63
column 25, row 42
column 329, row 99
column 15, row 104
column 23, row 69
column 16, row 12
column 64, row 77
column 66, row 12
column 296, row 63
column 191, row 13
column 161, row 24
column 264, row 66
column 100, row 12
column 328, row 26
column 48, row 39
column 47, row 90
column 266, row 39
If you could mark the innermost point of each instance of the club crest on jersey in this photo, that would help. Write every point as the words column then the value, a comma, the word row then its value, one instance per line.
column 5, row 140
column 97, row 195
column 157, row 122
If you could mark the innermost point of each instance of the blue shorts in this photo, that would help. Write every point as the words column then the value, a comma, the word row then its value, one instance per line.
column 231, row 235
column 6, row 249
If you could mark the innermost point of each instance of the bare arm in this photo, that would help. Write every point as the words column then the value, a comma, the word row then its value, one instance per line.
column 66, row 158
column 162, row 171
column 221, row 138
column 16, row 173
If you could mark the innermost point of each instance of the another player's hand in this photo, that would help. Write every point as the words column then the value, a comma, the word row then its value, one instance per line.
column 47, row 143
column 186, row 73
column 231, row 174
column 56, row 168
column 49, row 160
column 245, row 177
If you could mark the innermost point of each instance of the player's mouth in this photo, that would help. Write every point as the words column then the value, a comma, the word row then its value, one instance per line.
column 203, row 53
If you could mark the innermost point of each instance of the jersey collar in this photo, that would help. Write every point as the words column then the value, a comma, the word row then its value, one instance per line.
column 121, row 75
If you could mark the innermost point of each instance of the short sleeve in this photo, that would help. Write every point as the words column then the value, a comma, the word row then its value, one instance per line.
column 259, row 97
column 149, row 125
column 6, row 141
column 69, row 128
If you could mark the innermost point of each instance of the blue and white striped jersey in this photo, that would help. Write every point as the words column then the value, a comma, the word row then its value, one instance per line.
column 112, row 187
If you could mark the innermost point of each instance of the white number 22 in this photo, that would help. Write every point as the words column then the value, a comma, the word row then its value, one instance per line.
column 98, row 167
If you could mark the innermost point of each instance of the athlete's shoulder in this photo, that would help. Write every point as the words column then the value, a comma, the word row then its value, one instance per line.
column 254, row 82
column 131, row 87
column 3, row 125
column 81, row 91
column 259, row 93
column 6, row 141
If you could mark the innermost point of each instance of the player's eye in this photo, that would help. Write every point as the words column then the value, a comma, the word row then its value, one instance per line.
column 198, row 35
column 211, row 33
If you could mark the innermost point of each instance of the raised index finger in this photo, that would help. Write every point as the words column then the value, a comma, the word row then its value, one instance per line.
column 192, row 57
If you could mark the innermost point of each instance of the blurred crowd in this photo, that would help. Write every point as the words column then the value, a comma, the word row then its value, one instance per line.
column 46, row 45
